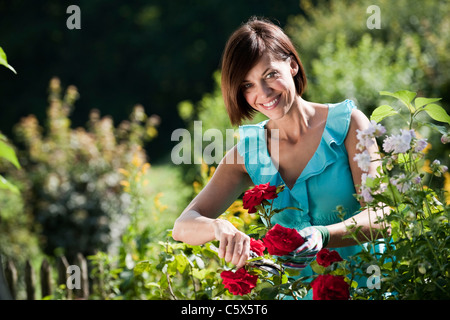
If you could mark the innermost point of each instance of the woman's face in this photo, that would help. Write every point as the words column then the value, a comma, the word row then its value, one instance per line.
column 269, row 86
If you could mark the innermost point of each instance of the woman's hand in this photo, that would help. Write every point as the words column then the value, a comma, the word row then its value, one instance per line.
column 234, row 245
column 306, row 253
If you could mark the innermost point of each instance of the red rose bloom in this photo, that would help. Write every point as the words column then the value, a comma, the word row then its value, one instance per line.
column 239, row 282
column 256, row 195
column 280, row 241
column 329, row 287
column 257, row 246
column 326, row 257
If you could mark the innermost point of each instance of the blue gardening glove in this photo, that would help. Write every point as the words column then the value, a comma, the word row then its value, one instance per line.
column 316, row 237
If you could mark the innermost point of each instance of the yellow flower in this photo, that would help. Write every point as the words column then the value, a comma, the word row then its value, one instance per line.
column 145, row 167
column 126, row 185
column 426, row 166
column 158, row 203
column 447, row 186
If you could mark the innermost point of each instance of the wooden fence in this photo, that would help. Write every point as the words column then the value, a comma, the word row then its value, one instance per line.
column 9, row 279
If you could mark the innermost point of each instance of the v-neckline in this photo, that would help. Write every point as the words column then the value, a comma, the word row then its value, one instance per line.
column 309, row 161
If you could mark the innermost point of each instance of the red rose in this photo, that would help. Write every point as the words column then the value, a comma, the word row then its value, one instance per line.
column 257, row 246
column 326, row 257
column 256, row 195
column 329, row 287
column 239, row 282
column 280, row 241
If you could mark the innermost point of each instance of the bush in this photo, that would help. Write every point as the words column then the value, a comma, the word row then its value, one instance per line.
column 71, row 178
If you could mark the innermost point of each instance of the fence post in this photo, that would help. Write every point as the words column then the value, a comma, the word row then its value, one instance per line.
column 46, row 279
column 4, row 289
column 11, row 278
column 83, row 293
column 30, row 281
column 62, row 266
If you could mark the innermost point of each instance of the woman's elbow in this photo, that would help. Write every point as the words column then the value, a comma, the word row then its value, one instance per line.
column 177, row 233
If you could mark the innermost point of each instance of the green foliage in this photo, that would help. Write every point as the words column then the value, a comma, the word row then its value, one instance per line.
column 6, row 151
column 4, row 61
column 343, row 58
column 415, row 264
column 156, row 53
column 70, row 175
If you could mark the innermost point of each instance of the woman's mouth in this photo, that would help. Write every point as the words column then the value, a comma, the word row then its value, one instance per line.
column 271, row 104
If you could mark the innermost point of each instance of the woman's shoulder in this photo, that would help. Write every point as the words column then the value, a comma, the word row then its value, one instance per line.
column 340, row 116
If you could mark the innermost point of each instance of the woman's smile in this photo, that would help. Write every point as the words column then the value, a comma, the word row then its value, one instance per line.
column 271, row 104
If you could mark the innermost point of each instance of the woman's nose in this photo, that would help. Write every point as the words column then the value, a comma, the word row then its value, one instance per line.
column 265, row 90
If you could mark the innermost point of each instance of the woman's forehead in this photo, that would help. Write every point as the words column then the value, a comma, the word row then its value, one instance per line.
column 264, row 64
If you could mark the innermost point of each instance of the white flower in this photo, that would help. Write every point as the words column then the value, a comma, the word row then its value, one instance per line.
column 366, row 137
column 420, row 145
column 417, row 180
column 445, row 138
column 366, row 192
column 401, row 183
column 363, row 160
column 437, row 168
column 399, row 143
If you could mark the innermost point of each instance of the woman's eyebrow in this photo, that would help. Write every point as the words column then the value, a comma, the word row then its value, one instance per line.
column 262, row 74
column 266, row 71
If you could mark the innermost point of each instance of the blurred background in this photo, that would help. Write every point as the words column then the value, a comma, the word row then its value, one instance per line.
column 90, row 112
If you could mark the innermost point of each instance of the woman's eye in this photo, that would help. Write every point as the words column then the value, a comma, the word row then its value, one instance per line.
column 271, row 75
column 246, row 86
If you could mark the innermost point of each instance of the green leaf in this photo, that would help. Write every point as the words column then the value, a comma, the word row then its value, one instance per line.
column 420, row 102
column 404, row 96
column 317, row 268
column 181, row 262
column 437, row 113
column 200, row 274
column 268, row 293
column 382, row 112
column 286, row 208
column 4, row 61
column 8, row 153
column 5, row 184
column 141, row 267
column 440, row 129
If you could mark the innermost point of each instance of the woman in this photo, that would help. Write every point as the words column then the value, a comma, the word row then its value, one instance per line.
column 309, row 147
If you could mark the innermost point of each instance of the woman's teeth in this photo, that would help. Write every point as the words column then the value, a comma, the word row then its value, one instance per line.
column 271, row 103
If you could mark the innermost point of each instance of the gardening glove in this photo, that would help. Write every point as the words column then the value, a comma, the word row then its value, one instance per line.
column 316, row 238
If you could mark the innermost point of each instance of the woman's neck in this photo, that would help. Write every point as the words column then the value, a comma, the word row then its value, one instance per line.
column 296, row 122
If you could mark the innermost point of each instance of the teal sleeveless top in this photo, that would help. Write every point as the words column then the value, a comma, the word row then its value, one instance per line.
column 325, row 183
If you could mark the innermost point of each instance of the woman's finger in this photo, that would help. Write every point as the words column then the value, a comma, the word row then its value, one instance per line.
column 245, row 254
column 223, row 242
column 238, row 249
column 231, row 242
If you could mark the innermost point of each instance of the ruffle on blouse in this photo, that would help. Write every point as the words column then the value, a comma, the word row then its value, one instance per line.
column 258, row 163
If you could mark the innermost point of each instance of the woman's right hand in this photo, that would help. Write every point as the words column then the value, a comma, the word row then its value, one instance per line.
column 234, row 245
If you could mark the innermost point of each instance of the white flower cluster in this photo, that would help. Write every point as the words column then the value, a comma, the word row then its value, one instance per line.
column 394, row 144
column 366, row 138
column 402, row 143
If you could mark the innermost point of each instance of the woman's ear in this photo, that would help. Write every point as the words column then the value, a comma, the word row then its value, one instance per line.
column 294, row 66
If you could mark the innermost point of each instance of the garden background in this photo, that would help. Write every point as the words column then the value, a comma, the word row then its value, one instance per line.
column 90, row 114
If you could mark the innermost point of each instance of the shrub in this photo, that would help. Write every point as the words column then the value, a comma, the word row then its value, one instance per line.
column 72, row 183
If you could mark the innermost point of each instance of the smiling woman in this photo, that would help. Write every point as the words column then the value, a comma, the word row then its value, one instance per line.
column 315, row 156
column 244, row 50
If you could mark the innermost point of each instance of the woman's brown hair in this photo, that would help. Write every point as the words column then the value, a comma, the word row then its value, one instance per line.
column 243, row 50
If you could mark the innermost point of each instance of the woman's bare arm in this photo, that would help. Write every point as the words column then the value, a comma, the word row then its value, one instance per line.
column 198, row 223
column 366, row 218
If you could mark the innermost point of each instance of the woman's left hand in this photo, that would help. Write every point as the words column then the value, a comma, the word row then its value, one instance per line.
column 306, row 253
